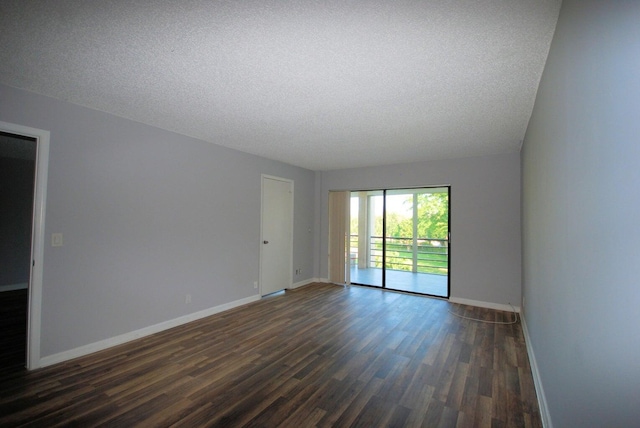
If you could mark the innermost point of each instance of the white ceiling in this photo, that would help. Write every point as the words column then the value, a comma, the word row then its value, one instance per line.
column 320, row 84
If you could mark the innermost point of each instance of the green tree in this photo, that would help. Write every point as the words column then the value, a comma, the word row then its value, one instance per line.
column 433, row 218
column 433, row 215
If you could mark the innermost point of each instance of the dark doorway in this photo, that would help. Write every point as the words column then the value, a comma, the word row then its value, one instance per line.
column 17, row 186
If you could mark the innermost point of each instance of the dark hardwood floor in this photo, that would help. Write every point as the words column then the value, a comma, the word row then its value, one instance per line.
column 322, row 355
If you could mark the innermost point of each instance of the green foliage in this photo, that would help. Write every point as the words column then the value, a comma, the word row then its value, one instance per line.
column 433, row 218
column 433, row 215
column 433, row 223
column 353, row 226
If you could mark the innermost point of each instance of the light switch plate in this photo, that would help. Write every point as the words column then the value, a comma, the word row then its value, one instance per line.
column 56, row 239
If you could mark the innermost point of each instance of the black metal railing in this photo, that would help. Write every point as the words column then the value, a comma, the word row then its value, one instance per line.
column 428, row 256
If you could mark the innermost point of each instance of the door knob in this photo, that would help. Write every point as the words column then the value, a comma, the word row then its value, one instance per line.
column 265, row 242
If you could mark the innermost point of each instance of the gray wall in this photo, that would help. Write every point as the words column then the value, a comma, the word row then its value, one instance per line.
column 147, row 216
column 485, row 218
column 581, row 181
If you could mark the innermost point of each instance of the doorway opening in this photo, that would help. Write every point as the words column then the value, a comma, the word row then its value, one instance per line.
column 23, row 195
column 17, row 181
column 399, row 239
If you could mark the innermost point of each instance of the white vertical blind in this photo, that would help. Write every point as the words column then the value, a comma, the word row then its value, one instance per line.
column 338, row 228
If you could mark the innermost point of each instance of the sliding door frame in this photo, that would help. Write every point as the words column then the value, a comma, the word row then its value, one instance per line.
column 384, row 240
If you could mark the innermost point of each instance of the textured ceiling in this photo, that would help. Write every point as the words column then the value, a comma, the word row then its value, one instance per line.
column 318, row 84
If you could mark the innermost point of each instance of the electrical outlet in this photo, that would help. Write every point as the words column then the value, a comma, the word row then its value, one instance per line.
column 255, row 284
column 187, row 299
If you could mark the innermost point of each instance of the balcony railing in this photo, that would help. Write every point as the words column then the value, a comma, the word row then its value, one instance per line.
column 428, row 256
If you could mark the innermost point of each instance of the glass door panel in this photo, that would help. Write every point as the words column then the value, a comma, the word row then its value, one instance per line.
column 417, row 240
column 365, row 238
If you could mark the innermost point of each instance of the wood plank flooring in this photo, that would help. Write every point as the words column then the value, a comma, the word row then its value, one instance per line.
column 321, row 355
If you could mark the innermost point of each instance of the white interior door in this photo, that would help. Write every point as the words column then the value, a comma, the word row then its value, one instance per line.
column 277, row 235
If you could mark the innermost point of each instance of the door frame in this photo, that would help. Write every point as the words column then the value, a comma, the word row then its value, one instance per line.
column 384, row 218
column 34, row 310
column 264, row 177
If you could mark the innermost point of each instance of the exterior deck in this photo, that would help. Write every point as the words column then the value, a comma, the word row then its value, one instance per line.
column 435, row 285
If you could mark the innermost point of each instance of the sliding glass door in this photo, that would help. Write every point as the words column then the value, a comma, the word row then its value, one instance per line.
column 365, row 240
column 399, row 239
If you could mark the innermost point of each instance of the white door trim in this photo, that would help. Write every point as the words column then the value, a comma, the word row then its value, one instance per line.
column 38, row 240
column 291, row 183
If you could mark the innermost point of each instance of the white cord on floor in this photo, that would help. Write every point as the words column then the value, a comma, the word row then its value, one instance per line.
column 490, row 322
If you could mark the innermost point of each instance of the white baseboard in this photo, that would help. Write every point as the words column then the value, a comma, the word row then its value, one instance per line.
column 326, row 281
column 302, row 283
column 12, row 287
column 537, row 381
column 488, row 305
column 137, row 334
column 311, row 280
column 478, row 303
